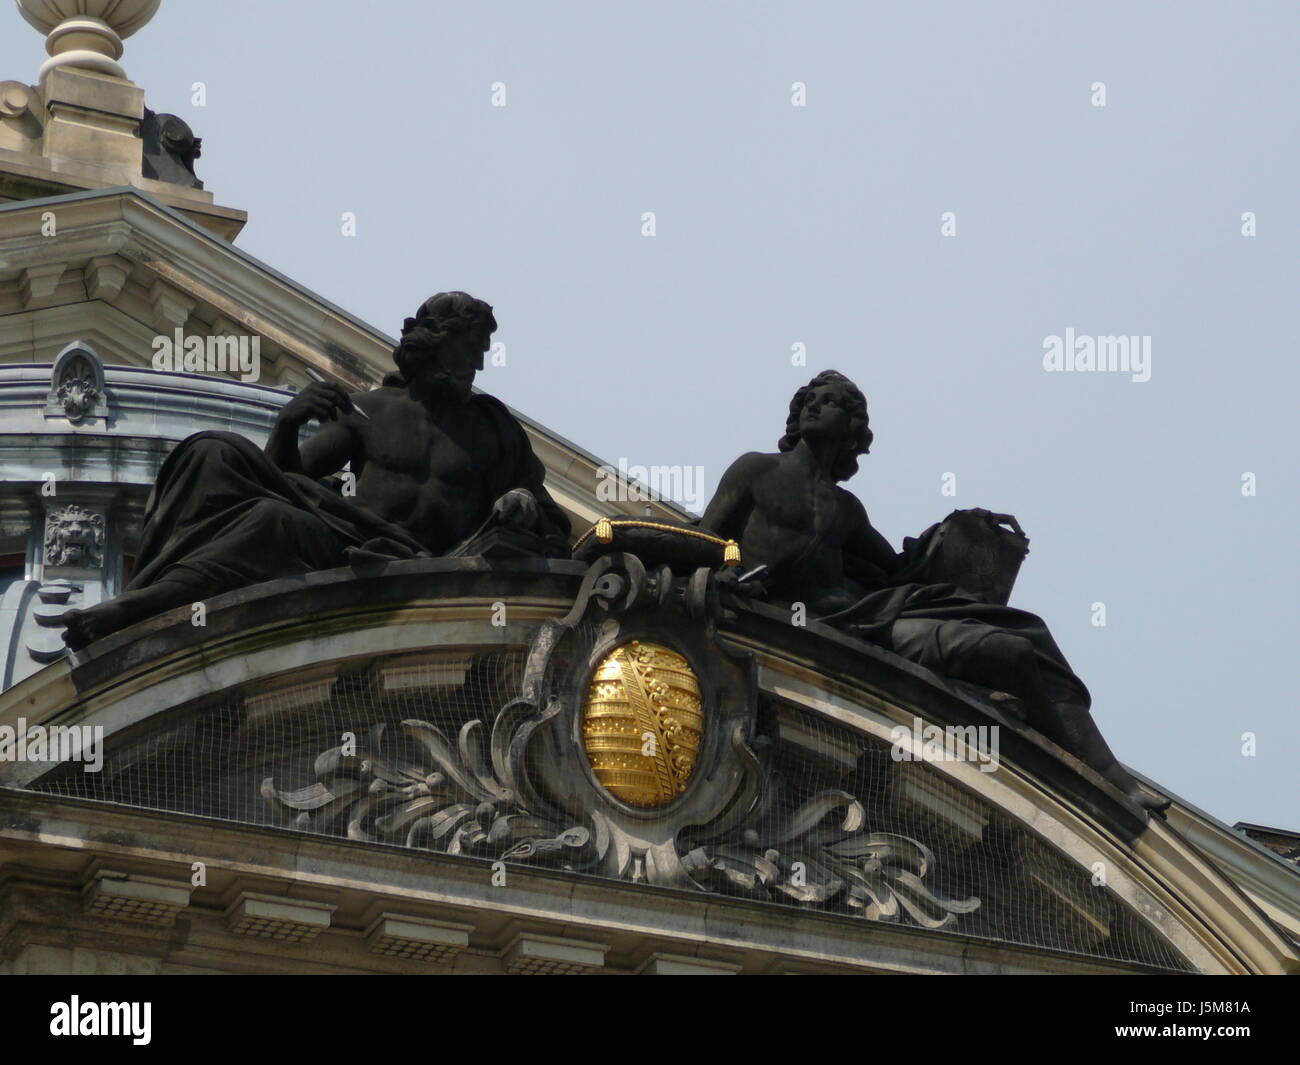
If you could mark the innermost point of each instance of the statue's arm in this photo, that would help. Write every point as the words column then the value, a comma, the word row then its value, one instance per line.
column 555, row 524
column 729, row 509
column 527, row 472
column 867, row 554
column 329, row 450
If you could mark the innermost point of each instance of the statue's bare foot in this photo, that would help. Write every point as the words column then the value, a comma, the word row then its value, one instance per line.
column 1157, row 804
column 84, row 627
column 1127, row 784
column 1012, row 704
column 379, row 549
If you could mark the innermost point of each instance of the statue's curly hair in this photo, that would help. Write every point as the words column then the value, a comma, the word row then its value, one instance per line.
column 440, row 316
column 858, row 442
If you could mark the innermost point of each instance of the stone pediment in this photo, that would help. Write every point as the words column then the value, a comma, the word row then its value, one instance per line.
column 397, row 707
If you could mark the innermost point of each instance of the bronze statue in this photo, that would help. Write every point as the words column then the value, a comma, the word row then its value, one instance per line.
column 819, row 548
column 434, row 466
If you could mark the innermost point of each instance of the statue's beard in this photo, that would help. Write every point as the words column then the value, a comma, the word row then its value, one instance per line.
column 442, row 383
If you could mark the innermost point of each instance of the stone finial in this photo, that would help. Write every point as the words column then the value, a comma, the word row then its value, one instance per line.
column 86, row 34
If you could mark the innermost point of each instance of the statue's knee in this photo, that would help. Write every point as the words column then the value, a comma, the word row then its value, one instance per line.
column 212, row 446
column 276, row 515
column 1008, row 649
column 915, row 640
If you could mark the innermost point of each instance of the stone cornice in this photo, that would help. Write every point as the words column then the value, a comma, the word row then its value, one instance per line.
column 1271, row 881
column 59, row 843
column 24, row 177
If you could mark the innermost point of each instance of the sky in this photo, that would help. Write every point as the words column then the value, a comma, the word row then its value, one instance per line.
column 954, row 185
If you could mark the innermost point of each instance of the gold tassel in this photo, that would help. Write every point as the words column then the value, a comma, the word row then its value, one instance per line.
column 731, row 554
column 604, row 531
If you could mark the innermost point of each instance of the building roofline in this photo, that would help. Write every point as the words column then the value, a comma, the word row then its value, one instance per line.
column 1231, row 831
column 251, row 260
column 1242, row 826
column 198, row 230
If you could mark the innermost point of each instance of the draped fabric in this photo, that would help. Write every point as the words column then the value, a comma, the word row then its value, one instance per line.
column 222, row 515
column 943, row 628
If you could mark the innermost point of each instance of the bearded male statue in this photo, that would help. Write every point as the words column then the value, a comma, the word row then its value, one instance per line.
column 434, row 464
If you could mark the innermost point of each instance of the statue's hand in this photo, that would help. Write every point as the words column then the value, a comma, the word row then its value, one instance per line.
column 749, row 584
column 321, row 400
column 517, row 509
column 999, row 519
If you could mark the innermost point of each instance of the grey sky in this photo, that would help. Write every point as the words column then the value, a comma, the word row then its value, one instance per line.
column 821, row 225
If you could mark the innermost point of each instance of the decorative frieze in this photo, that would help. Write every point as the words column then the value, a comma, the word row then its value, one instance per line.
column 626, row 761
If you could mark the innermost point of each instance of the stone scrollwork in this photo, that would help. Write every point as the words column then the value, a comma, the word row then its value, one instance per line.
column 426, row 792
column 15, row 99
column 688, row 801
column 826, row 860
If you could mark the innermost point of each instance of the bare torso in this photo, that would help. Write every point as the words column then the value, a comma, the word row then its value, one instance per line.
column 796, row 521
column 421, row 467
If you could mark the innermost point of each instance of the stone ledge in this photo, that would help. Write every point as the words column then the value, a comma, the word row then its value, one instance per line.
column 535, row 955
column 46, row 836
column 680, row 965
column 278, row 918
column 417, row 938
column 133, row 897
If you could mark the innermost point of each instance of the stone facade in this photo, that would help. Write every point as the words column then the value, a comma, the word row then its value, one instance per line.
column 230, row 828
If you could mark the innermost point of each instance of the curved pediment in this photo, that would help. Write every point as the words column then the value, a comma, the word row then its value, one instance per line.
column 449, row 720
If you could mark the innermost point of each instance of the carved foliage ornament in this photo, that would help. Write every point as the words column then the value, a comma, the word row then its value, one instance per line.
column 78, row 394
column 77, row 389
column 631, row 753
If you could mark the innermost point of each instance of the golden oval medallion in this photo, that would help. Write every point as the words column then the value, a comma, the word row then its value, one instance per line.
column 642, row 723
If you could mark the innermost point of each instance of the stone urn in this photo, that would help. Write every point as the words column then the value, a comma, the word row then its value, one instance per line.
column 86, row 34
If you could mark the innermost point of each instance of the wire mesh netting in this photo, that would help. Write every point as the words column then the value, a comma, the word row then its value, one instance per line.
column 338, row 755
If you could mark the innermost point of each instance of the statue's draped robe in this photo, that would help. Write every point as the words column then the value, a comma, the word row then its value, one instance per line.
column 222, row 515
column 939, row 626
column 942, row 627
